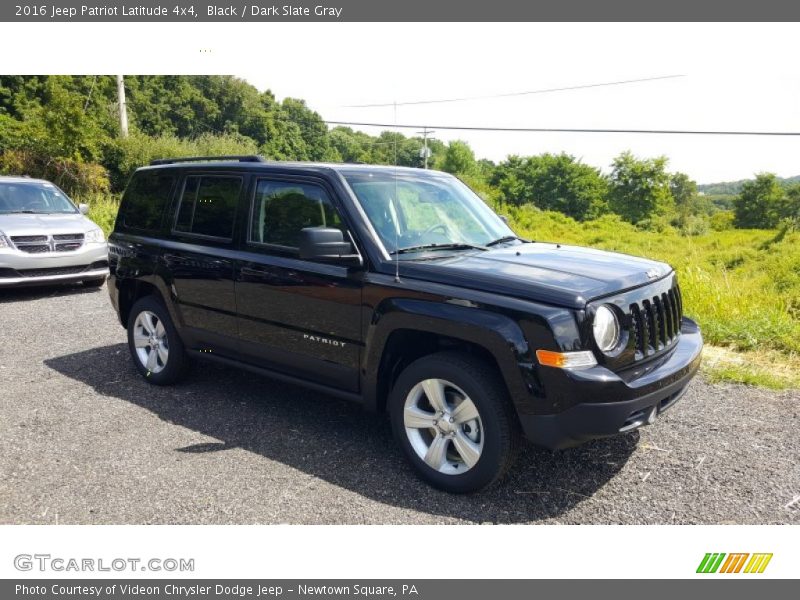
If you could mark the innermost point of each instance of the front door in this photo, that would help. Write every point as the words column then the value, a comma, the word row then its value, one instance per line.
column 296, row 316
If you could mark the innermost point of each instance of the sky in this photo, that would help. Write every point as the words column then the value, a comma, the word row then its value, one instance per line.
column 732, row 77
column 742, row 76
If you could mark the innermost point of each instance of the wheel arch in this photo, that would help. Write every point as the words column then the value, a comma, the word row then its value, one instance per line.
column 131, row 290
column 404, row 330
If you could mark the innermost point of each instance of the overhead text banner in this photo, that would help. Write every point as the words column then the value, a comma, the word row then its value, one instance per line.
column 403, row 10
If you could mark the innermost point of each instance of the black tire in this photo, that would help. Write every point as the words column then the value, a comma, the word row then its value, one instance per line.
column 500, row 427
column 93, row 283
column 177, row 362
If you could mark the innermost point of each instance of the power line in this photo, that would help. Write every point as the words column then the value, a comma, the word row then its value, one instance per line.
column 513, row 94
column 562, row 129
column 389, row 126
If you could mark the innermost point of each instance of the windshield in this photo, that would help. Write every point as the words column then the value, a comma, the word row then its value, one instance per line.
column 33, row 197
column 412, row 212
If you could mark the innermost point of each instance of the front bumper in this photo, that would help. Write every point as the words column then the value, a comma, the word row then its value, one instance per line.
column 20, row 269
column 607, row 403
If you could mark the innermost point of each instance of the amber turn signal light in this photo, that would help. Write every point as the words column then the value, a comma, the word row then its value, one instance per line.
column 566, row 360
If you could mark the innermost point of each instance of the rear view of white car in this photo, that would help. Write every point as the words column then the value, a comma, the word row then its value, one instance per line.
column 45, row 238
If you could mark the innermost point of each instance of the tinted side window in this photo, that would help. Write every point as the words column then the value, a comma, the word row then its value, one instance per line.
column 147, row 195
column 208, row 205
column 282, row 209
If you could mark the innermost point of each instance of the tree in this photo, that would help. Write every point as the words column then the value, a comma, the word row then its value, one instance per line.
column 684, row 192
column 313, row 129
column 352, row 146
column 759, row 204
column 392, row 148
column 640, row 188
column 556, row 182
column 459, row 159
column 790, row 207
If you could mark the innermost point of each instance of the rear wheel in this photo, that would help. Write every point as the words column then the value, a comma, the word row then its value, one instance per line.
column 157, row 351
column 454, row 422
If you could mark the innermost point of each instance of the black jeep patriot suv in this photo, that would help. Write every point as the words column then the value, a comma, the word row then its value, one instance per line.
column 401, row 290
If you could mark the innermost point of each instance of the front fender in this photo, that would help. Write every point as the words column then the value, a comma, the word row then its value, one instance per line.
column 499, row 334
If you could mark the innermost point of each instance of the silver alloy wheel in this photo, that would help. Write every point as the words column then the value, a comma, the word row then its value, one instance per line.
column 150, row 341
column 444, row 426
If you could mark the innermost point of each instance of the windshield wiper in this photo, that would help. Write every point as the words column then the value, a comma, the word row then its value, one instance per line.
column 459, row 246
column 505, row 238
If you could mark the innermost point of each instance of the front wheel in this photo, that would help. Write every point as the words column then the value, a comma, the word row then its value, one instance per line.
column 155, row 346
column 452, row 417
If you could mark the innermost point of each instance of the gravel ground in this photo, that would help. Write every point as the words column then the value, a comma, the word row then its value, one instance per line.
column 84, row 440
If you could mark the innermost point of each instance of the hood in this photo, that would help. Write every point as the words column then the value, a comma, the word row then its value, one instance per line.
column 27, row 224
column 564, row 275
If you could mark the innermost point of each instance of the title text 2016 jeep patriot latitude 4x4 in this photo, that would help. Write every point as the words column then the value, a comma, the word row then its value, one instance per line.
column 401, row 290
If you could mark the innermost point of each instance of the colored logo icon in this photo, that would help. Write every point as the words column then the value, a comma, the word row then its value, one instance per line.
column 719, row 562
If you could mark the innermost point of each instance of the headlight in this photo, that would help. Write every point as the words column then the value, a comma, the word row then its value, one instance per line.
column 95, row 236
column 606, row 329
column 3, row 241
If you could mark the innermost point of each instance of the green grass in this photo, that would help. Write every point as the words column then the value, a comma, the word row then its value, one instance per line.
column 767, row 369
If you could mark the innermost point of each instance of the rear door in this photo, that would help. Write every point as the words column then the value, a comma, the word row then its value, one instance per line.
column 200, row 258
column 297, row 316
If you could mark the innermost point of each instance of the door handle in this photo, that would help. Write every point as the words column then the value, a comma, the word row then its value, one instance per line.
column 255, row 271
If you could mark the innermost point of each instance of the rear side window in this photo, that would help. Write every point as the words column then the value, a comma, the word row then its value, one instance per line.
column 208, row 206
column 281, row 209
column 145, row 199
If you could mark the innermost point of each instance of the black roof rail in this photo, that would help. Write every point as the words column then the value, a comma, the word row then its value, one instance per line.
column 240, row 158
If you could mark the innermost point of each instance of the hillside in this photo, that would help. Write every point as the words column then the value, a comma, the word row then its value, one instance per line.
column 731, row 188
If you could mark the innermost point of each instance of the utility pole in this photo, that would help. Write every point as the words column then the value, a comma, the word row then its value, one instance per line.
column 425, row 152
column 123, row 107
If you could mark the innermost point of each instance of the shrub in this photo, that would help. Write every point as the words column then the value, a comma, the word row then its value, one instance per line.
column 102, row 209
column 137, row 150
column 657, row 224
column 694, row 225
column 722, row 220
column 553, row 182
column 75, row 177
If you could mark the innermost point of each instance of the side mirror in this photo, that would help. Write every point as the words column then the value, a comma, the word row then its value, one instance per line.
column 84, row 208
column 504, row 218
column 326, row 244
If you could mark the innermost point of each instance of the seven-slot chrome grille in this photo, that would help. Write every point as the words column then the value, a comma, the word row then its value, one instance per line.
column 38, row 244
column 656, row 322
